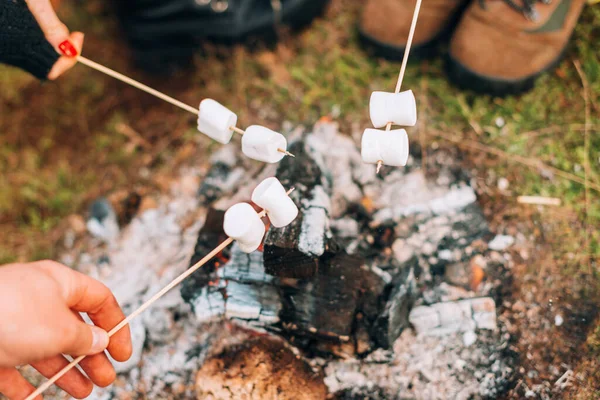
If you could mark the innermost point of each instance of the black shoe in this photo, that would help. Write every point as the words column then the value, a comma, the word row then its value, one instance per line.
column 165, row 32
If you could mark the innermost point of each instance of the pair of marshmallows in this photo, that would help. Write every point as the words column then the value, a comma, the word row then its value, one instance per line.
column 389, row 147
column 259, row 143
column 244, row 224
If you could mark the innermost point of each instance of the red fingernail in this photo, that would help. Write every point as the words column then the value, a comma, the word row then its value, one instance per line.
column 68, row 49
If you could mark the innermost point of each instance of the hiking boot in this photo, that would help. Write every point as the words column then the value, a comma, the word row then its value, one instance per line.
column 385, row 24
column 501, row 46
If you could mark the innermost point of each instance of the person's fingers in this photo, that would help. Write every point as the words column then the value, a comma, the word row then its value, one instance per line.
column 85, row 294
column 79, row 338
column 98, row 368
column 55, row 31
column 65, row 63
column 14, row 386
column 73, row 382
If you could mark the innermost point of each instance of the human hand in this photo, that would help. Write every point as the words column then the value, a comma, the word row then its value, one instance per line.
column 56, row 33
column 39, row 312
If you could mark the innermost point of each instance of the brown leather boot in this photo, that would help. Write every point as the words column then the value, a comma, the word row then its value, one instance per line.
column 501, row 46
column 385, row 24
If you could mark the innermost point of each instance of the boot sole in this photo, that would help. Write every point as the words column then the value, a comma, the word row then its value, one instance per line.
column 464, row 78
column 390, row 52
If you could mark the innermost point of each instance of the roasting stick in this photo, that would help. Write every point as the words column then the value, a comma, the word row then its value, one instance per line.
column 153, row 92
column 46, row 385
column 411, row 34
column 134, row 83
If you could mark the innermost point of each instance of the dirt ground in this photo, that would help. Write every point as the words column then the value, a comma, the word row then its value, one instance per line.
column 66, row 143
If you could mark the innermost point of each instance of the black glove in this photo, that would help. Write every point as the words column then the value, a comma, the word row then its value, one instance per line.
column 22, row 42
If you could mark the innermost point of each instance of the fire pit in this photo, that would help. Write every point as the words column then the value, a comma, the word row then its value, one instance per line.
column 384, row 287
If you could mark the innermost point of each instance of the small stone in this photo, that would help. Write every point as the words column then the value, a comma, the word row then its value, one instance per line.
column 446, row 255
column 457, row 274
column 558, row 320
column 501, row 242
column 402, row 251
column 424, row 318
column 103, row 222
column 469, row 338
column 503, row 184
column 101, row 209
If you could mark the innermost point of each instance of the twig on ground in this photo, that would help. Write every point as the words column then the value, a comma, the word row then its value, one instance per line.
column 533, row 163
column 555, row 129
column 586, row 156
column 422, row 125
column 466, row 111
column 539, row 200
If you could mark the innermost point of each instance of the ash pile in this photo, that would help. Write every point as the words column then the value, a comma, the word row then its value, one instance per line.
column 385, row 286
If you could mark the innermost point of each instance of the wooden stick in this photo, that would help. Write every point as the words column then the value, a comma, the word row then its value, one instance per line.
column 46, row 385
column 136, row 84
column 539, row 200
column 411, row 35
column 237, row 130
column 154, row 92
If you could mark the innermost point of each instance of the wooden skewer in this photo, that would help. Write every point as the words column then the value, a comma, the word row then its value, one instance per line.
column 136, row 84
column 237, row 130
column 411, row 35
column 539, row 200
column 241, row 132
column 153, row 92
column 46, row 385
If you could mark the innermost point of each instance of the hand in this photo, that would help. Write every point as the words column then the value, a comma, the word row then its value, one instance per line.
column 39, row 313
column 56, row 33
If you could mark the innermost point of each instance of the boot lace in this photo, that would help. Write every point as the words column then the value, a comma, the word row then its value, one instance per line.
column 527, row 8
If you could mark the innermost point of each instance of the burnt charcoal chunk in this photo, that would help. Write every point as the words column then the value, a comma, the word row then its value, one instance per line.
column 209, row 237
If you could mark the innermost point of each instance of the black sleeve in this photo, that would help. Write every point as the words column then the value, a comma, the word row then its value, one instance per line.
column 22, row 42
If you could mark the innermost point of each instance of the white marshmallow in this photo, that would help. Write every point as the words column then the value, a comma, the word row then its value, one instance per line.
column 216, row 120
column 397, row 108
column 243, row 224
column 272, row 197
column 260, row 143
column 391, row 147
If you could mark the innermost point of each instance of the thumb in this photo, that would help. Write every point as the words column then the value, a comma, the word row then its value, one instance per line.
column 83, row 339
column 55, row 31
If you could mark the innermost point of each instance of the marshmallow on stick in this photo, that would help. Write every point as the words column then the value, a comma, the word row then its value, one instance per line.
column 242, row 223
column 388, row 147
column 271, row 196
column 215, row 120
column 387, row 109
column 258, row 143
column 397, row 108
column 263, row 144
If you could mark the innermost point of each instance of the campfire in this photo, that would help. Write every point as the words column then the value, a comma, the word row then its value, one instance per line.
column 383, row 286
